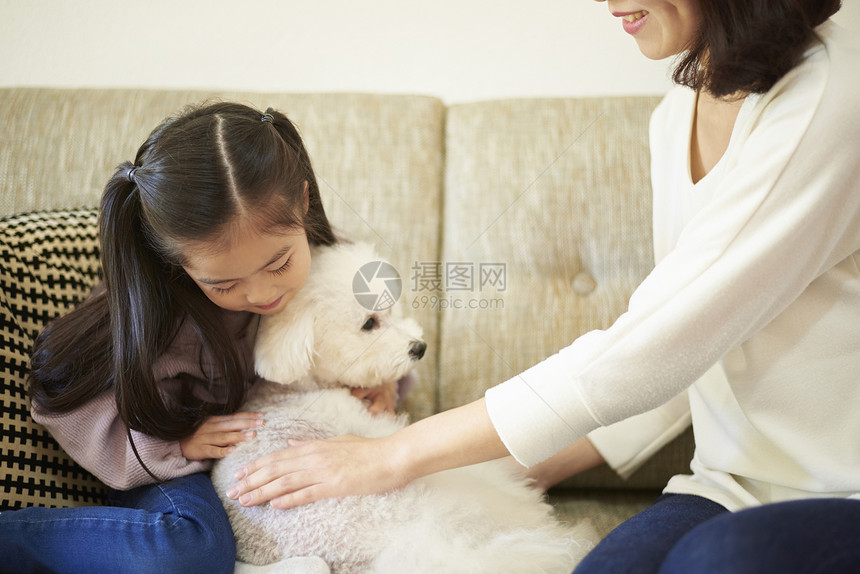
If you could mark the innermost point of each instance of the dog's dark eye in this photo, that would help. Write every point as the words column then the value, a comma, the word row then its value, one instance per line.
column 369, row 325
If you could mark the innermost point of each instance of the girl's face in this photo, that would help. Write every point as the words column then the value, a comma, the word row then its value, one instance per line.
column 257, row 273
column 661, row 28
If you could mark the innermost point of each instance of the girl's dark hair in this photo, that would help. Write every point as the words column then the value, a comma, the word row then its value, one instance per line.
column 746, row 46
column 197, row 175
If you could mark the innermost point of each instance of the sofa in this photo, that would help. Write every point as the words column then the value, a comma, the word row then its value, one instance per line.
column 515, row 225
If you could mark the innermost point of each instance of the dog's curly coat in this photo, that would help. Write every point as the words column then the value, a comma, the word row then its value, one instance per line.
column 483, row 518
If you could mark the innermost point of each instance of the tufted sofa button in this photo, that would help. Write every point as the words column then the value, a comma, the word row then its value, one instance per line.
column 584, row 284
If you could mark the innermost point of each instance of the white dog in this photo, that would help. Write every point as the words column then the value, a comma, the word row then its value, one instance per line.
column 483, row 518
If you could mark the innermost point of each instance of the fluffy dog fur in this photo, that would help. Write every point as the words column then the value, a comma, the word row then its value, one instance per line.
column 483, row 518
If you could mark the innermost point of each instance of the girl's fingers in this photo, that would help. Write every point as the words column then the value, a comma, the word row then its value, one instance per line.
column 361, row 392
column 232, row 423
column 220, row 451
column 237, row 416
column 243, row 417
column 381, row 404
column 378, row 399
column 230, row 438
column 218, row 435
column 201, row 451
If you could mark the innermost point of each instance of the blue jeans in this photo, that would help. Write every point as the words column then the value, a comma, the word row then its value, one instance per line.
column 175, row 527
column 684, row 534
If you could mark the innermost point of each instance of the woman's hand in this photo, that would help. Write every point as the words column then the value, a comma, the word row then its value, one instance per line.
column 313, row 470
column 576, row 458
column 342, row 466
column 217, row 436
column 381, row 399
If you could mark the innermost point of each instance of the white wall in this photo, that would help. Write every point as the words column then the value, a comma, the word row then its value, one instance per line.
column 459, row 50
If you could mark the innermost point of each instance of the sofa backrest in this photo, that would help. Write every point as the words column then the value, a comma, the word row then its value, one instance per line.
column 516, row 225
column 556, row 194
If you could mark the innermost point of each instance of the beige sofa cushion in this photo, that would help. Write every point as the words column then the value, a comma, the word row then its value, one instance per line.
column 557, row 192
column 546, row 188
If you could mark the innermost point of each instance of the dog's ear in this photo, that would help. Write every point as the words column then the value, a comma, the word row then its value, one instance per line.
column 285, row 344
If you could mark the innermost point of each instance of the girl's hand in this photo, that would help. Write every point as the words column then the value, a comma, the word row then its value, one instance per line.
column 216, row 437
column 382, row 398
column 312, row 470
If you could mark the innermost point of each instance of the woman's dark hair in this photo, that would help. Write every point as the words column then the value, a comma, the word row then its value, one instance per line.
column 199, row 173
column 746, row 46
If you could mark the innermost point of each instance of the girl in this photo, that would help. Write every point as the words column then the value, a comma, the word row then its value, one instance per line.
column 756, row 184
column 209, row 228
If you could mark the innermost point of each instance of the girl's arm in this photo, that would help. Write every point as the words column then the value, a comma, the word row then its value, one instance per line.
column 95, row 437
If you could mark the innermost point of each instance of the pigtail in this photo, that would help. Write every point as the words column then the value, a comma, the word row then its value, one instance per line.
column 71, row 357
column 316, row 222
column 77, row 357
column 140, row 308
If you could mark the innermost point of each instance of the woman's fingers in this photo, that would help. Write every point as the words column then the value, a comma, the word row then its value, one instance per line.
column 298, row 498
column 277, row 474
column 262, row 476
column 313, row 470
column 279, row 487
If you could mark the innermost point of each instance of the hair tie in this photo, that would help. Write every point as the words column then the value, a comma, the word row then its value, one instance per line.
column 130, row 174
column 267, row 117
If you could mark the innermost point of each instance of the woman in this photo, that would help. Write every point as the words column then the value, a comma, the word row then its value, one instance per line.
column 753, row 306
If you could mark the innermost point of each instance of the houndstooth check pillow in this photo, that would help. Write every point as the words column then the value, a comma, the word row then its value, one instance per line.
column 48, row 262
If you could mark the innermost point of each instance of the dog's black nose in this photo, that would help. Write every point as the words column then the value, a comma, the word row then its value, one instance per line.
column 416, row 350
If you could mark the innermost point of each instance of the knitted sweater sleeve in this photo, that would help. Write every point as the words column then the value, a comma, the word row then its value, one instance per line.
column 95, row 437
